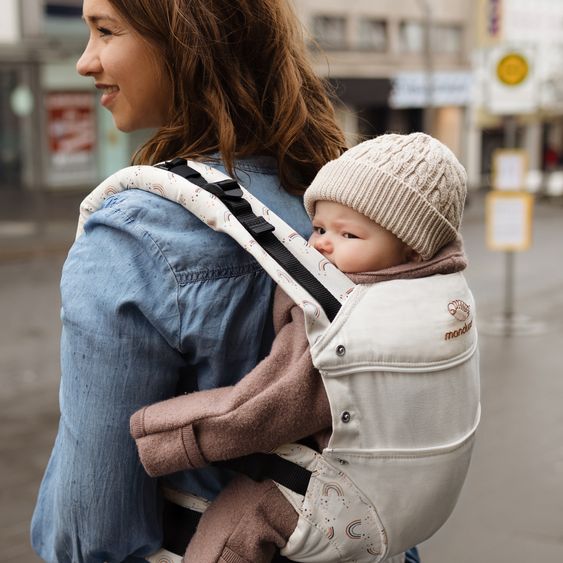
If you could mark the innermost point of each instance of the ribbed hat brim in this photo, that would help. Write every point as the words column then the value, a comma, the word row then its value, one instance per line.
column 385, row 199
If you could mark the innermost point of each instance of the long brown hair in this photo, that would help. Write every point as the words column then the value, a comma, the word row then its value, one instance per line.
column 242, row 85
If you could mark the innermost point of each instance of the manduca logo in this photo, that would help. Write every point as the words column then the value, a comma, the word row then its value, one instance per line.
column 459, row 309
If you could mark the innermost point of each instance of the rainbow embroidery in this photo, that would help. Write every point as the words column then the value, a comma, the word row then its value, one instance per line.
column 351, row 529
column 332, row 487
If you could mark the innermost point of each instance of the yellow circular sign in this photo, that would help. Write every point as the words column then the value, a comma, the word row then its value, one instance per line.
column 512, row 69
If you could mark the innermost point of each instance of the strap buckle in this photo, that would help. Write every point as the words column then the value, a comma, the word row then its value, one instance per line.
column 225, row 190
column 229, row 192
column 180, row 166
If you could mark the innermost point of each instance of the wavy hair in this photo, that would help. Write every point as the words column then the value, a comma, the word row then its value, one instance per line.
column 242, row 85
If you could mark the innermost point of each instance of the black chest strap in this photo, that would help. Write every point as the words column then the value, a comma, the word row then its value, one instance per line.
column 260, row 467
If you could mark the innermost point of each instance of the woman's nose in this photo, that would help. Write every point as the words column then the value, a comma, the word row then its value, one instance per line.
column 89, row 62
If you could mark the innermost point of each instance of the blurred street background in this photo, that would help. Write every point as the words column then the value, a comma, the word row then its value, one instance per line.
column 484, row 76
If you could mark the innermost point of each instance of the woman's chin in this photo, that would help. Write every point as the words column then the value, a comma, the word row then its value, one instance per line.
column 123, row 125
column 127, row 125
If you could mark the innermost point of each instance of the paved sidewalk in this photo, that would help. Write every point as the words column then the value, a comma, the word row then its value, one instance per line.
column 37, row 225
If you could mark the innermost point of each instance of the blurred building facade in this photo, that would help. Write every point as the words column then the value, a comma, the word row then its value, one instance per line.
column 396, row 66
column 53, row 133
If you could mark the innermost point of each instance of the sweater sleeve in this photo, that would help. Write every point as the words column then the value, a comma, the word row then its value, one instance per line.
column 282, row 400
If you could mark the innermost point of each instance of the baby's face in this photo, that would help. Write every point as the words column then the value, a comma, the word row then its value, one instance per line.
column 352, row 242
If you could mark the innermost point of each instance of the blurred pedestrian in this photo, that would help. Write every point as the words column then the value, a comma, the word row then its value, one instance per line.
column 550, row 158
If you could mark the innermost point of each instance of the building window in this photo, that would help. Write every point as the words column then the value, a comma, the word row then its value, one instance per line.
column 63, row 8
column 330, row 31
column 412, row 37
column 372, row 35
column 447, row 39
column 444, row 38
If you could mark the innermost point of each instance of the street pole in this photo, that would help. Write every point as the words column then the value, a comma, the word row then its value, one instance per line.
column 510, row 142
column 428, row 66
column 37, row 183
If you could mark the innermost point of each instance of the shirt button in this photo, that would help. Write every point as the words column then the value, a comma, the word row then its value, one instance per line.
column 340, row 350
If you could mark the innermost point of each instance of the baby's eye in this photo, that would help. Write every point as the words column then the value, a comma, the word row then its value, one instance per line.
column 349, row 235
column 319, row 230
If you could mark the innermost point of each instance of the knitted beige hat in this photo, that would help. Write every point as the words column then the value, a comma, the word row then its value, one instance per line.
column 413, row 185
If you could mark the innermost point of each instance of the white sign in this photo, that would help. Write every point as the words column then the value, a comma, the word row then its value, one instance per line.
column 415, row 90
column 509, row 220
column 504, row 93
column 510, row 167
column 10, row 22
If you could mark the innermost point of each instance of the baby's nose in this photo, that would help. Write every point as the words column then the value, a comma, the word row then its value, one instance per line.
column 322, row 243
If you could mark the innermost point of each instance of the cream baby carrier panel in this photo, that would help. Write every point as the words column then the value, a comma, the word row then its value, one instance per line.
column 400, row 366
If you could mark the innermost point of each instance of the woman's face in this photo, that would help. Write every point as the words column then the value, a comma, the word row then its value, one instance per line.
column 125, row 68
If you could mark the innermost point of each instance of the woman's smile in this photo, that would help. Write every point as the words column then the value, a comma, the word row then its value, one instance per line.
column 109, row 93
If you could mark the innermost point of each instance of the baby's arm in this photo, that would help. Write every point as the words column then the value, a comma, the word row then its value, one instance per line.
column 282, row 400
column 246, row 522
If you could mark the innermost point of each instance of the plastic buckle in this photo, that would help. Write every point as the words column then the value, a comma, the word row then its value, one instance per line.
column 258, row 225
column 180, row 166
column 229, row 192
column 225, row 189
column 169, row 164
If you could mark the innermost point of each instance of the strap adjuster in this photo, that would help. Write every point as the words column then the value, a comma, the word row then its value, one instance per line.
column 258, row 225
column 229, row 192
column 225, row 189
column 180, row 166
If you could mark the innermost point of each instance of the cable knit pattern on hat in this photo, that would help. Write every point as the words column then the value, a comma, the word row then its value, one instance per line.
column 413, row 185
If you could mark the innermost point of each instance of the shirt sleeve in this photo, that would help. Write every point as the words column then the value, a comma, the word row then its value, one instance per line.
column 280, row 401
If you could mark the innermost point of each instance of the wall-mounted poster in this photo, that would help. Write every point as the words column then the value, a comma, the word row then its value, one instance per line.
column 71, row 134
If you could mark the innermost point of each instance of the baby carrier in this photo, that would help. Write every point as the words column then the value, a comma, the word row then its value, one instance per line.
column 399, row 362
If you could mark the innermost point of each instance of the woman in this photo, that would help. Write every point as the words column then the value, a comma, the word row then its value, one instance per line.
column 151, row 297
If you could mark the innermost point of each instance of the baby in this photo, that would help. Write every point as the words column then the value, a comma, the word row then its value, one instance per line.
column 389, row 208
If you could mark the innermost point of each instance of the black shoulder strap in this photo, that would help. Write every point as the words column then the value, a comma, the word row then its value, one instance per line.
column 229, row 192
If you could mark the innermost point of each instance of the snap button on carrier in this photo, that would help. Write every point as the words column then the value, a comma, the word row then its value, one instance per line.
column 340, row 350
column 345, row 417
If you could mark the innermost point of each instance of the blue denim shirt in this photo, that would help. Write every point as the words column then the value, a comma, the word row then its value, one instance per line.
column 150, row 296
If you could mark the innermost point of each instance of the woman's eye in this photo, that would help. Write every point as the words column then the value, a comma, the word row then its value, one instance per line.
column 349, row 235
column 104, row 32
